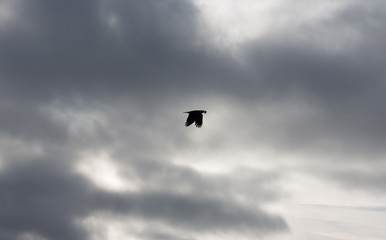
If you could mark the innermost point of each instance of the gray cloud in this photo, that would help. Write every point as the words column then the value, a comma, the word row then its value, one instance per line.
column 109, row 47
column 340, row 90
column 89, row 76
column 251, row 185
column 45, row 198
column 28, row 120
column 162, row 236
column 194, row 212
column 357, row 178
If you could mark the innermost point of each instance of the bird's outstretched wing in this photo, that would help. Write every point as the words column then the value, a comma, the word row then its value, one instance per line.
column 189, row 120
column 198, row 120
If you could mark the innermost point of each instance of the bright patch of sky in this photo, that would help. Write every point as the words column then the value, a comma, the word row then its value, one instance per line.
column 240, row 21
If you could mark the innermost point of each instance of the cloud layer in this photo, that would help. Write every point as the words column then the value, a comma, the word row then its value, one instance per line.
column 106, row 82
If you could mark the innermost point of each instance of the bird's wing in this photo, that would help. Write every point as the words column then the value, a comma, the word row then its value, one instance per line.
column 189, row 120
column 198, row 120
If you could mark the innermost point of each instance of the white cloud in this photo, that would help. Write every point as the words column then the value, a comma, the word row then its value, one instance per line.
column 101, row 170
column 235, row 22
column 331, row 222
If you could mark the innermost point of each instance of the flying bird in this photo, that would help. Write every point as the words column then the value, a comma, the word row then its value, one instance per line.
column 195, row 117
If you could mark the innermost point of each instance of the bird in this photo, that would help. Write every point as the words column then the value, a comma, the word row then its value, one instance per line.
column 195, row 116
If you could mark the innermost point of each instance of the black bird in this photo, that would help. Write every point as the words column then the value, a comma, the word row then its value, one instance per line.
column 195, row 117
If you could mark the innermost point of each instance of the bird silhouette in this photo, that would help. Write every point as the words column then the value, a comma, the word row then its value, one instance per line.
column 195, row 117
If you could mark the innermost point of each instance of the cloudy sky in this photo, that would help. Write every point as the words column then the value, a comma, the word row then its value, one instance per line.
column 92, row 138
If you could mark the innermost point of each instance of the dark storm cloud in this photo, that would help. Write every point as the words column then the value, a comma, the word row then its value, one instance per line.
column 23, row 119
column 331, row 69
column 131, row 62
column 56, row 54
column 46, row 198
column 41, row 198
column 108, row 47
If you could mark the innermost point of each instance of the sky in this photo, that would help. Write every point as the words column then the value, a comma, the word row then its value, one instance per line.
column 92, row 138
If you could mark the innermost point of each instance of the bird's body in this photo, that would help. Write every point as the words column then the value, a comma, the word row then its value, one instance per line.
column 195, row 116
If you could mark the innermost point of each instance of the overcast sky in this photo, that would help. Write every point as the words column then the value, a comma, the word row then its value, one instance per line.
column 92, row 138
